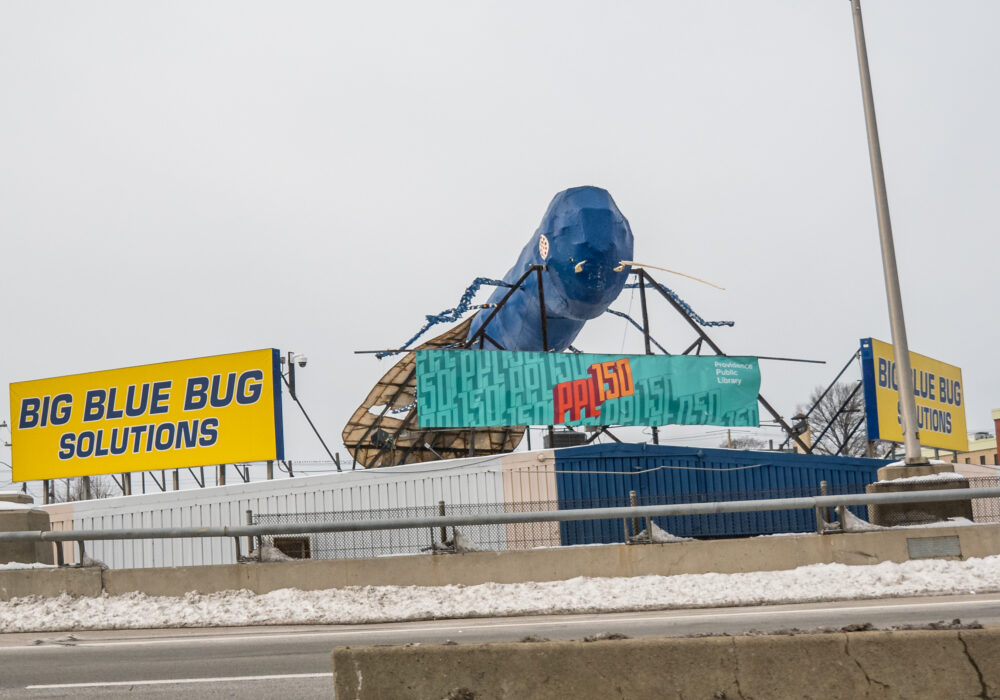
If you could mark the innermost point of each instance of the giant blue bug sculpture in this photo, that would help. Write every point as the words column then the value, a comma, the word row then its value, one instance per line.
column 582, row 242
column 574, row 266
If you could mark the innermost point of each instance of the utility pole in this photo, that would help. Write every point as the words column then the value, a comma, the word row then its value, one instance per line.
column 904, row 373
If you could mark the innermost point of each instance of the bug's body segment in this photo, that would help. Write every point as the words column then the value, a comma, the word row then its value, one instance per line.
column 582, row 239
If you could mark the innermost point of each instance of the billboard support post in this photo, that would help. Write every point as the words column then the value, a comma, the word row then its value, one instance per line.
column 645, row 335
column 908, row 406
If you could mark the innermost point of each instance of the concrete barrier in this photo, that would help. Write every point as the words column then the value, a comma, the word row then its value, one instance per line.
column 27, row 518
column 950, row 664
column 556, row 564
column 17, row 583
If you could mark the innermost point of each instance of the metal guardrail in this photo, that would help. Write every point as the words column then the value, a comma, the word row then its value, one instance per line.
column 506, row 518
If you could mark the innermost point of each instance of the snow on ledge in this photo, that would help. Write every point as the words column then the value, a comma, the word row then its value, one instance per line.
column 8, row 505
column 943, row 476
column 904, row 464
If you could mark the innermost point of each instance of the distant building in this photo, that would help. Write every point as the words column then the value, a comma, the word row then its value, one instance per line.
column 982, row 452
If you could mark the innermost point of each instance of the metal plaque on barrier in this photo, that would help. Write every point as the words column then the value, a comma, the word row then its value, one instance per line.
column 930, row 547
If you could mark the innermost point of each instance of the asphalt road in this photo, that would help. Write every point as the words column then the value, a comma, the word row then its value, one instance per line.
column 294, row 662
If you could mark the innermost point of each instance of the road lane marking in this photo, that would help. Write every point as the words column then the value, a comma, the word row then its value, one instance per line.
column 451, row 627
column 171, row 681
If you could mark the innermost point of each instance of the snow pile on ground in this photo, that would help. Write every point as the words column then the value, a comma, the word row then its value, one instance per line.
column 369, row 604
column 25, row 565
column 269, row 553
column 853, row 523
column 463, row 543
column 89, row 562
column 660, row 536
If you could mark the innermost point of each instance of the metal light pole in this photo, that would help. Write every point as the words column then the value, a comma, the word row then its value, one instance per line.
column 904, row 374
column 291, row 374
column 292, row 359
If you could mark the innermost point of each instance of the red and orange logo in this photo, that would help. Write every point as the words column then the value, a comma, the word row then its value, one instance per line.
column 605, row 380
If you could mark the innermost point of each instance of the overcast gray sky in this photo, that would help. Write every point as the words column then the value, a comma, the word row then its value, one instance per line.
column 186, row 179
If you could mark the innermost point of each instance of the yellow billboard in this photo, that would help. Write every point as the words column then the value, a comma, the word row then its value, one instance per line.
column 937, row 388
column 209, row 410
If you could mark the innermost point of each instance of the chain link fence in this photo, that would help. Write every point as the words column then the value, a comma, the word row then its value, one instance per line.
column 379, row 543
column 501, row 537
column 985, row 510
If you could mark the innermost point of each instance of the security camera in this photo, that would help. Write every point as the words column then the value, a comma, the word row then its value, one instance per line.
column 299, row 359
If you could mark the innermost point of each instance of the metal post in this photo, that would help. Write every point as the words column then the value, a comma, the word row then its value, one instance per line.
column 250, row 546
column 239, row 552
column 270, row 469
column 127, row 483
column 177, row 480
column 291, row 376
column 633, row 501
column 545, row 330
column 842, row 516
column 45, row 492
column 904, row 374
column 824, row 490
column 86, row 488
column 645, row 315
column 222, row 475
column 444, row 530
column 201, row 470
column 144, row 482
column 645, row 335
column 819, row 511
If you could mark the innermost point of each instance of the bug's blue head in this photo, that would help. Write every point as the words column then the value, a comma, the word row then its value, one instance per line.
column 582, row 239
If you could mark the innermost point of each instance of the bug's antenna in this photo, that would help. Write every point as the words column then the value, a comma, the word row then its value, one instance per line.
column 673, row 272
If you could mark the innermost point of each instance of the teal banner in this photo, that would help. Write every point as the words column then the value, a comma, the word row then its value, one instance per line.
column 488, row 388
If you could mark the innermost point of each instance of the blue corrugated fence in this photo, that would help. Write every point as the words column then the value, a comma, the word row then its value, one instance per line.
column 603, row 475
